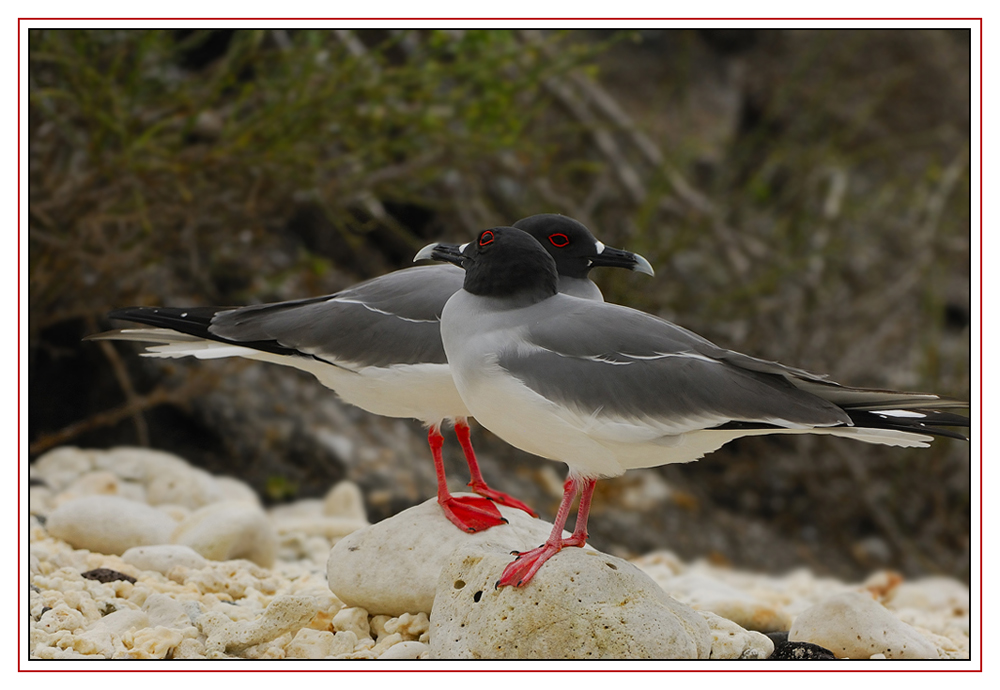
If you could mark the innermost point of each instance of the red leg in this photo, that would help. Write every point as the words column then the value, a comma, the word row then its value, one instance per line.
column 478, row 484
column 468, row 513
column 523, row 568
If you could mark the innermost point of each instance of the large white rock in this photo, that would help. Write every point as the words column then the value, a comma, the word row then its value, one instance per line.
column 855, row 626
column 228, row 530
column 582, row 604
column 392, row 567
column 109, row 524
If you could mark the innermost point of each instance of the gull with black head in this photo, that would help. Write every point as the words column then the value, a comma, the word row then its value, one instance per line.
column 605, row 388
column 377, row 344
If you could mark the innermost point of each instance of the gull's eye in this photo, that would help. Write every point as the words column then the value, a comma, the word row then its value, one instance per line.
column 558, row 239
column 486, row 238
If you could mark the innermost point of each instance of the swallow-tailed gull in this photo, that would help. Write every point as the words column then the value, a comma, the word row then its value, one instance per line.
column 376, row 344
column 605, row 388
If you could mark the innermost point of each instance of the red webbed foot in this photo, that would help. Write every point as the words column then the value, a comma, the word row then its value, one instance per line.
column 523, row 568
column 500, row 497
column 471, row 513
column 520, row 571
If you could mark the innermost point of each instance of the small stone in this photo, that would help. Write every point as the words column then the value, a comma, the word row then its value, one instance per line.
column 154, row 643
column 730, row 641
column 109, row 524
column 107, row 575
column 800, row 651
column 229, row 530
column 855, row 626
column 354, row 620
column 581, row 605
column 410, row 626
column 61, row 617
column 162, row 558
column 406, row 650
column 311, row 644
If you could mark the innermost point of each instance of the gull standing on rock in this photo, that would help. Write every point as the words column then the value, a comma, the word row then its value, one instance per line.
column 605, row 388
column 377, row 344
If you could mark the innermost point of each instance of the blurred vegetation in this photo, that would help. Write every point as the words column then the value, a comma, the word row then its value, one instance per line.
column 803, row 195
column 150, row 158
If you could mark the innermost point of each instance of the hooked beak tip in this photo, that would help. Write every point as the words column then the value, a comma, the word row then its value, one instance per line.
column 643, row 266
column 426, row 253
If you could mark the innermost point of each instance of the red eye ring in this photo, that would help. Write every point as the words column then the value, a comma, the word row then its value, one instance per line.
column 558, row 239
column 486, row 238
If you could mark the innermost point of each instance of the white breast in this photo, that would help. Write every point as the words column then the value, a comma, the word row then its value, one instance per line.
column 424, row 392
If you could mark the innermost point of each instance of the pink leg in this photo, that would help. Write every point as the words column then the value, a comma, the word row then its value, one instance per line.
column 468, row 513
column 523, row 568
column 478, row 484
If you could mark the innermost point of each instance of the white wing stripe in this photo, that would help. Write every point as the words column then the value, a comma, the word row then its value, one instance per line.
column 380, row 311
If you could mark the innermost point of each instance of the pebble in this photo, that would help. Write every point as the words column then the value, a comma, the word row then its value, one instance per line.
column 730, row 641
column 803, row 651
column 162, row 558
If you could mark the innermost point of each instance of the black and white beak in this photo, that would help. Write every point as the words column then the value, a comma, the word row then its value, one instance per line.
column 619, row 258
column 442, row 251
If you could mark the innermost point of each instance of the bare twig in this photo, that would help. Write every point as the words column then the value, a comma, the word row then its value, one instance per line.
column 882, row 517
column 160, row 396
column 124, row 382
column 626, row 174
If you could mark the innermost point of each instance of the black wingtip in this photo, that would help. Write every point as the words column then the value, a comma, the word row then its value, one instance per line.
column 922, row 421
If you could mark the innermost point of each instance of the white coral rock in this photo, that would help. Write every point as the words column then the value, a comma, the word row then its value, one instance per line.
column 580, row 605
column 393, row 566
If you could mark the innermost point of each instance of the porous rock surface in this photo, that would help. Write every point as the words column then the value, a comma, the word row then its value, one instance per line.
column 412, row 547
column 580, row 605
column 163, row 600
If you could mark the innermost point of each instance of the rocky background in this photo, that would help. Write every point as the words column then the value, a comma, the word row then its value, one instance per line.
column 803, row 195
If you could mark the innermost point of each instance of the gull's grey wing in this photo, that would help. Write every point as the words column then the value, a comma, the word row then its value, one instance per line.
column 392, row 319
column 611, row 361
